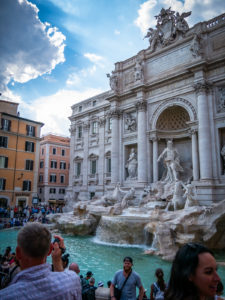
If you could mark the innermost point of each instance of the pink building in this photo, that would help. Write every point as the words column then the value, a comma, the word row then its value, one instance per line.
column 53, row 168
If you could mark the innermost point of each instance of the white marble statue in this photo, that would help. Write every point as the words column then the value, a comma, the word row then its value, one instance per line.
column 138, row 70
column 113, row 81
column 172, row 161
column 178, row 200
column 195, row 46
column 190, row 196
column 132, row 165
column 130, row 122
column 130, row 195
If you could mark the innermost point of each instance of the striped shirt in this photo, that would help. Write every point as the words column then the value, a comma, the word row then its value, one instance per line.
column 40, row 282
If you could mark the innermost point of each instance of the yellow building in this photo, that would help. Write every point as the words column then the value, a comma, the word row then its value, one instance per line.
column 19, row 157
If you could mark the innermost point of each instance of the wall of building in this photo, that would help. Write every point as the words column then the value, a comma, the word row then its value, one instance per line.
column 15, row 173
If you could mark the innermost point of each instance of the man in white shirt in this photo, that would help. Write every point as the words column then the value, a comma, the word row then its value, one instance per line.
column 36, row 279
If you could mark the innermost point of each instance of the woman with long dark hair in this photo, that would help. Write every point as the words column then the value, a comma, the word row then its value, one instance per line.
column 158, row 287
column 193, row 274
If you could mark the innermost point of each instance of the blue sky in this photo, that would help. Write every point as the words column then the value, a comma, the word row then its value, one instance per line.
column 55, row 53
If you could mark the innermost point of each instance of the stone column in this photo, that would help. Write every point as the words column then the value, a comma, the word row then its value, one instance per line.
column 155, row 157
column 204, row 134
column 101, row 152
column 115, row 114
column 142, row 141
column 195, row 163
column 86, row 166
column 72, row 148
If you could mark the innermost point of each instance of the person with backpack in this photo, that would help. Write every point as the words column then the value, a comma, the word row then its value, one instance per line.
column 158, row 287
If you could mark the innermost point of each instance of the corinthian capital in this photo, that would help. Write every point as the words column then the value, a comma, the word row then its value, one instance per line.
column 115, row 113
column 86, row 126
column 141, row 105
column 202, row 87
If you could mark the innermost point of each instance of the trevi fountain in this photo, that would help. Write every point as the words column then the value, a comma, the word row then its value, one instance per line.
column 166, row 145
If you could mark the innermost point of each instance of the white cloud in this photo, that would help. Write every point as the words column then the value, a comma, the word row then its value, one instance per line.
column 117, row 32
column 31, row 48
column 96, row 59
column 54, row 110
column 145, row 17
column 75, row 79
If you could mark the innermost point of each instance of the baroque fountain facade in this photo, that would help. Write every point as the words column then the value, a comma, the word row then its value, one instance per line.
column 148, row 156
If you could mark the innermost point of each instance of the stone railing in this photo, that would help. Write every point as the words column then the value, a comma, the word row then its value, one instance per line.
column 215, row 21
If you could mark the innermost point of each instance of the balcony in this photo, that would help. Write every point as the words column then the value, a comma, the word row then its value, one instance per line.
column 93, row 178
column 78, row 179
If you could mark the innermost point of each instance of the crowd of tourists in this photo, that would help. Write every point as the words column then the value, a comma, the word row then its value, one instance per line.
column 24, row 274
column 19, row 216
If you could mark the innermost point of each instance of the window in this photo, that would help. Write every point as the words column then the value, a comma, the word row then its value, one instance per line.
column 62, row 178
column 40, row 190
column 30, row 130
column 63, row 152
column 5, row 124
column 79, row 132
column 52, row 191
column 41, row 164
column 29, row 165
column 2, row 184
column 3, row 141
column 3, row 162
column 80, row 108
column 94, row 103
column 62, row 165
column 94, row 127
column 61, row 191
column 54, row 151
column 42, row 151
column 78, row 168
column 53, row 164
column 29, row 146
column 41, row 178
column 108, row 165
column 26, row 185
column 52, row 178
column 93, row 167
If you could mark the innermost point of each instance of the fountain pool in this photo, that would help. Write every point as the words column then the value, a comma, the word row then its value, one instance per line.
column 105, row 259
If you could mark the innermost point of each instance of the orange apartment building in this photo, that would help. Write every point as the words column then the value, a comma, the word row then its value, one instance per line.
column 53, row 169
column 19, row 157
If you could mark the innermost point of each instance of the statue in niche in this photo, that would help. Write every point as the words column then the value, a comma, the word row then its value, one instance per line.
column 132, row 165
column 172, row 162
column 130, row 122
column 223, row 156
column 138, row 70
column 113, row 81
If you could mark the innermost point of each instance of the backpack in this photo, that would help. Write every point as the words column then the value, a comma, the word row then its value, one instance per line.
column 159, row 295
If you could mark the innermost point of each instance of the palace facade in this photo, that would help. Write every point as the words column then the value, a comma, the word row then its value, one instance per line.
column 174, row 90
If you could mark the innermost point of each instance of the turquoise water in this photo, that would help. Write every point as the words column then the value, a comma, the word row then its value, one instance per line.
column 104, row 260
